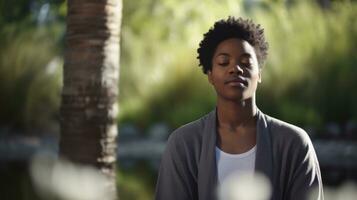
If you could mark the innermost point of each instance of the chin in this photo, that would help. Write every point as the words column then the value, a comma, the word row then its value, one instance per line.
column 237, row 96
column 240, row 97
column 234, row 97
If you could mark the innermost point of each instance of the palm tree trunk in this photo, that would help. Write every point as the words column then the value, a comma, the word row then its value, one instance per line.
column 90, row 84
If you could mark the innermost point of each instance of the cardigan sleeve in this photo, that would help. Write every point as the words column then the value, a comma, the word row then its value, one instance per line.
column 306, row 181
column 175, row 182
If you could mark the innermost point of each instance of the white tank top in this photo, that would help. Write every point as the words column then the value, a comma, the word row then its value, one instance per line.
column 229, row 164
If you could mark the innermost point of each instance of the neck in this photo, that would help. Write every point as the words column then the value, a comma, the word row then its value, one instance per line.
column 236, row 113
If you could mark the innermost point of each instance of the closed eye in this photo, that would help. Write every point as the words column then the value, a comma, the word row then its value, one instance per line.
column 223, row 59
column 223, row 64
column 246, row 59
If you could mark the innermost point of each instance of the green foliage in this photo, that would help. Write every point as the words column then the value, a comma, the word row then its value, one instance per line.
column 308, row 79
column 22, row 10
column 30, row 76
column 12, row 12
column 138, row 183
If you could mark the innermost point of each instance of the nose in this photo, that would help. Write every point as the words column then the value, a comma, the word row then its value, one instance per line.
column 236, row 69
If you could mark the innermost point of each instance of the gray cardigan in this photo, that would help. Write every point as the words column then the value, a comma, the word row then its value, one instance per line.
column 284, row 154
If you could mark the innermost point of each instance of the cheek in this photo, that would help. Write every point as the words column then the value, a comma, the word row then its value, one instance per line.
column 213, row 76
column 254, row 79
column 255, row 76
column 210, row 78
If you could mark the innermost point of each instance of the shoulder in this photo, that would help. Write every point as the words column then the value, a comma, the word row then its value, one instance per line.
column 293, row 149
column 188, row 138
column 190, row 131
column 284, row 133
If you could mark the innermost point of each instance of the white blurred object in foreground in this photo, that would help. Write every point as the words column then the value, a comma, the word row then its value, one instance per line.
column 60, row 179
column 242, row 186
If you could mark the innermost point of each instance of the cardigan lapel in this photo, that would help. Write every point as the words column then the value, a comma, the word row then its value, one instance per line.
column 264, row 156
column 207, row 169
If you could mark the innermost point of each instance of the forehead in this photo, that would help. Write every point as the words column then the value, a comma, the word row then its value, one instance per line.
column 234, row 46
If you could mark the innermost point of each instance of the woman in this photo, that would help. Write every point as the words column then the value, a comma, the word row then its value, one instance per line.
column 236, row 136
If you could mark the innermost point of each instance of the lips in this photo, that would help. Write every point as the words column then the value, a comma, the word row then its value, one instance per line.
column 236, row 81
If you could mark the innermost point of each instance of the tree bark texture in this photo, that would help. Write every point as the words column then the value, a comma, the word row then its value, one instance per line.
column 90, row 84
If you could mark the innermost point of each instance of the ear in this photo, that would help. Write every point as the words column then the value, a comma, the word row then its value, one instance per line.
column 210, row 78
column 260, row 76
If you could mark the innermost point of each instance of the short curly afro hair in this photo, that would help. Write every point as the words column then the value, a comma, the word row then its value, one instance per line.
column 240, row 28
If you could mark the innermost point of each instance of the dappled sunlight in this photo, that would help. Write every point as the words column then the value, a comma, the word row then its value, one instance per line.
column 159, row 54
column 309, row 80
column 297, row 36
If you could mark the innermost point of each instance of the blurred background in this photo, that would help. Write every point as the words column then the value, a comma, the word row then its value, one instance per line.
column 310, row 80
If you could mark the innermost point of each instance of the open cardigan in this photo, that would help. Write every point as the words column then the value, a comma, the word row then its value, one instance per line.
column 284, row 154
